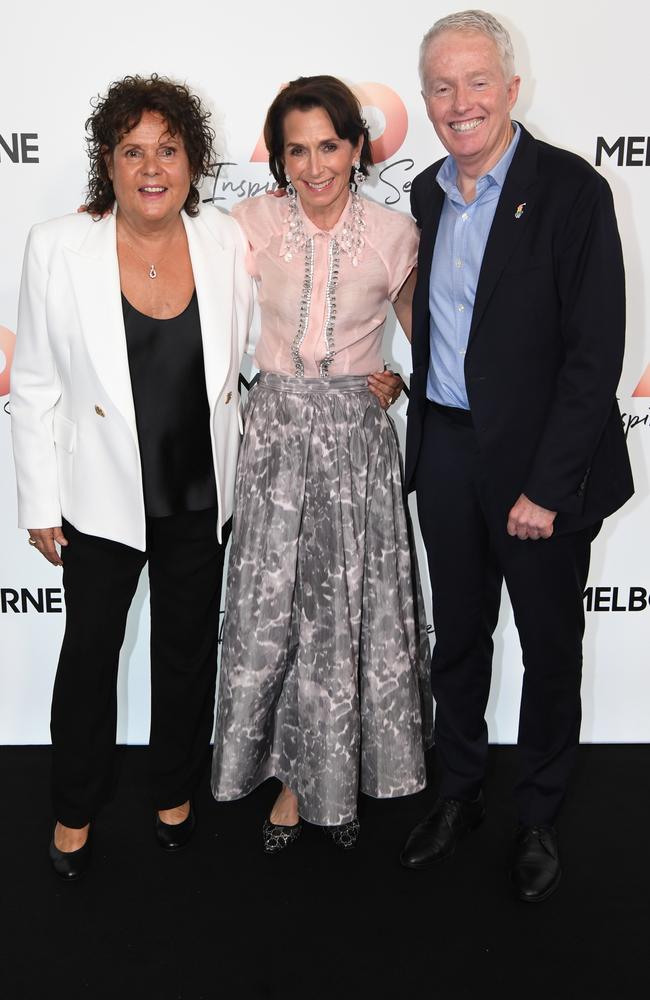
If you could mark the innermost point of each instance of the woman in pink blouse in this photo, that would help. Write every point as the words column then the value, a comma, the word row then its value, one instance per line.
column 325, row 663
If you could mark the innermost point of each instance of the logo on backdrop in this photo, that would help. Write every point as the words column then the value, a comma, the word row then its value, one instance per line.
column 616, row 599
column 625, row 151
column 643, row 388
column 22, row 601
column 387, row 118
column 19, row 147
column 385, row 113
column 7, row 345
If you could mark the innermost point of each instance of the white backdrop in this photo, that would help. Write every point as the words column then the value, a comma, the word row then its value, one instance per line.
column 578, row 63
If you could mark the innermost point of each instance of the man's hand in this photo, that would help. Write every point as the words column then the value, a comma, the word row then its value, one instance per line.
column 46, row 541
column 386, row 386
column 529, row 520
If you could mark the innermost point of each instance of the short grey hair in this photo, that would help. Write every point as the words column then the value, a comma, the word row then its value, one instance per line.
column 472, row 20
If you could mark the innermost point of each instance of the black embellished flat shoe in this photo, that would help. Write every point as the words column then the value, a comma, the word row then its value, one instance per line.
column 70, row 865
column 175, row 836
column 277, row 837
column 346, row 835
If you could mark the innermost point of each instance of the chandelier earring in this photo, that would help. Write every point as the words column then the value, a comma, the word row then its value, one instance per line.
column 358, row 176
column 290, row 189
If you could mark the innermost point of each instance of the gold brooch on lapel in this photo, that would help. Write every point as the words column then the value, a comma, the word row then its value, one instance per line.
column 520, row 210
column 99, row 411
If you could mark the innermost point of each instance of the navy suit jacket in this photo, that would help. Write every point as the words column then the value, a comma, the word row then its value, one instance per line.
column 546, row 342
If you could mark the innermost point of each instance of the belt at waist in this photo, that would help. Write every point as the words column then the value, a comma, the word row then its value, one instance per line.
column 330, row 383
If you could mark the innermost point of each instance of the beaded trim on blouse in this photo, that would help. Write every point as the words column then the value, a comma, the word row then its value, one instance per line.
column 350, row 241
column 305, row 305
column 333, row 262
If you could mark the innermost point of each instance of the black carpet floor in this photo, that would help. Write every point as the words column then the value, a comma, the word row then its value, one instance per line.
column 222, row 920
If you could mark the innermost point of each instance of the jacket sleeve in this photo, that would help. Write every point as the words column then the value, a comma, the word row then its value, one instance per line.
column 35, row 389
column 415, row 202
column 590, row 284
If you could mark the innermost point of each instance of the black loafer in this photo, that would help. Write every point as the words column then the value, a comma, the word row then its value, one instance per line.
column 175, row 836
column 437, row 836
column 69, row 865
column 535, row 871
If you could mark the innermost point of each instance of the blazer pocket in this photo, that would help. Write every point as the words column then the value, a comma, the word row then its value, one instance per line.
column 65, row 432
column 521, row 264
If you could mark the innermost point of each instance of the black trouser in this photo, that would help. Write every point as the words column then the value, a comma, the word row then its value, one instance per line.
column 100, row 578
column 470, row 554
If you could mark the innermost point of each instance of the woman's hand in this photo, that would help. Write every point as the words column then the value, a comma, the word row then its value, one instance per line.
column 386, row 386
column 46, row 541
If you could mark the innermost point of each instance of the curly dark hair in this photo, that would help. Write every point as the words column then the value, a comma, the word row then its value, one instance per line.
column 303, row 94
column 121, row 109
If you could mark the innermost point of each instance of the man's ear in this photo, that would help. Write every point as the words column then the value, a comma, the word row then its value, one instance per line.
column 513, row 92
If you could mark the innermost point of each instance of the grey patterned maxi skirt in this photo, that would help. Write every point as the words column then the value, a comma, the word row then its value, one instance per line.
column 325, row 667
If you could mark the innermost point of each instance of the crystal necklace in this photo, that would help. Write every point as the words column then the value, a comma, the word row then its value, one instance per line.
column 350, row 239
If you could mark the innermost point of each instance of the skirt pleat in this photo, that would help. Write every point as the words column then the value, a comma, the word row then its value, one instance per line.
column 325, row 667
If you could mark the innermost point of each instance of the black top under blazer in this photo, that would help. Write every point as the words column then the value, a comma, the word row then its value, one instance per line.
column 546, row 342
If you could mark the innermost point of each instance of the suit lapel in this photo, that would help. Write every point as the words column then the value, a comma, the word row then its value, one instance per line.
column 95, row 281
column 514, row 209
column 430, row 210
column 213, row 267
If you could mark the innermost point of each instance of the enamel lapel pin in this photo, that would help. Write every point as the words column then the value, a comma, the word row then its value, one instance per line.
column 520, row 210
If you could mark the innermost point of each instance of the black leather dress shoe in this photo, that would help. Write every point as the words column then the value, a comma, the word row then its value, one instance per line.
column 437, row 836
column 69, row 865
column 174, row 836
column 535, row 871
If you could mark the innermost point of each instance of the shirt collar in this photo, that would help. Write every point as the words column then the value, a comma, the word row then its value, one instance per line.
column 448, row 172
column 307, row 230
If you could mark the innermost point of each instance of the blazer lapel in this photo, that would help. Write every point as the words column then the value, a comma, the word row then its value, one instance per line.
column 95, row 281
column 515, row 207
column 213, row 268
column 431, row 209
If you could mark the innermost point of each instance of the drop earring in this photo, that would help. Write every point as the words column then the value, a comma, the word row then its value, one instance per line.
column 358, row 176
column 290, row 189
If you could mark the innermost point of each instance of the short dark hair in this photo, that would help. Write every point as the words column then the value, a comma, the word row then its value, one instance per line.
column 308, row 92
column 122, row 108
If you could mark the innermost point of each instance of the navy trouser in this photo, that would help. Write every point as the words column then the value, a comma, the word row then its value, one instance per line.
column 470, row 554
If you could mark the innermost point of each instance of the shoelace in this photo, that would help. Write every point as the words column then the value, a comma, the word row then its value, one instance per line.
column 543, row 834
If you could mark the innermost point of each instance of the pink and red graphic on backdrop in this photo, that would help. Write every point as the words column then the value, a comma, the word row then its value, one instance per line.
column 643, row 388
column 7, row 345
column 370, row 95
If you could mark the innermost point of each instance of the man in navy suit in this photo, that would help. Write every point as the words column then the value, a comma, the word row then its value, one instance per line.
column 515, row 444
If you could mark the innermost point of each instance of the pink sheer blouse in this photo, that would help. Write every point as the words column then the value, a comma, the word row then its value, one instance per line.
column 322, row 313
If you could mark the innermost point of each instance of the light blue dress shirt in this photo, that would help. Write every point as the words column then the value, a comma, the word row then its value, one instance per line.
column 460, row 244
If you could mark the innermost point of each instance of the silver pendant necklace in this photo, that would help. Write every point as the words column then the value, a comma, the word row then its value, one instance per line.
column 152, row 267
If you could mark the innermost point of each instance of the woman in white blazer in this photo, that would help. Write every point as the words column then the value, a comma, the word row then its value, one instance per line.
column 133, row 318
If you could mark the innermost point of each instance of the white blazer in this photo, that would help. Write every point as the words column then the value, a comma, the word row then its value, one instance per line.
column 72, row 413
